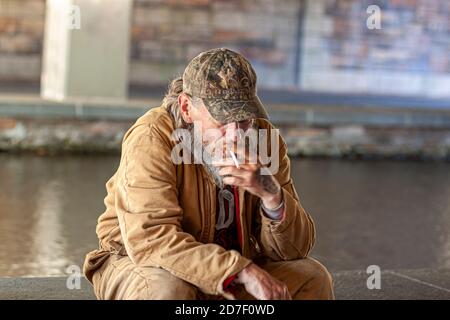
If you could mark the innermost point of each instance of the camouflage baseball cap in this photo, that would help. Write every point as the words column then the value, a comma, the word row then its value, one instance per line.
column 226, row 82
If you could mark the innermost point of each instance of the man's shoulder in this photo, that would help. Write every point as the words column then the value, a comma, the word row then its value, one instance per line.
column 265, row 124
column 155, row 125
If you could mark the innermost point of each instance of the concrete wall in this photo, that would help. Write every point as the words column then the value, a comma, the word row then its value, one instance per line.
column 86, row 56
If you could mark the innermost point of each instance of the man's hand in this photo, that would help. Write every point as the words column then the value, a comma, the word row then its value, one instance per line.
column 253, row 177
column 250, row 177
column 262, row 285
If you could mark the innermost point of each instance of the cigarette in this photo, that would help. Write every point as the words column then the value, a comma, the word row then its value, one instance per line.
column 235, row 160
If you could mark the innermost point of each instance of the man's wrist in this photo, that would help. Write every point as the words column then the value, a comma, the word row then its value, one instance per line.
column 274, row 213
column 272, row 201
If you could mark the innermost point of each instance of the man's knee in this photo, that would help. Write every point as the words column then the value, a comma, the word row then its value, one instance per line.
column 319, row 273
column 119, row 278
column 162, row 285
column 306, row 278
column 318, row 279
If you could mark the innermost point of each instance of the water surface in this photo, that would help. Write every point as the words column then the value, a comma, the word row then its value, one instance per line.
column 393, row 214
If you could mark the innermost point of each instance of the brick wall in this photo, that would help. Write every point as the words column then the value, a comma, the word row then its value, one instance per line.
column 21, row 34
column 167, row 34
column 410, row 55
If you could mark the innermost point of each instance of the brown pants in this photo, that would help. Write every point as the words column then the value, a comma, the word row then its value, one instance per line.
column 120, row 278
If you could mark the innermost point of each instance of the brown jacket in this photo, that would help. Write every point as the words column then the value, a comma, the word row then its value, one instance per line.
column 163, row 215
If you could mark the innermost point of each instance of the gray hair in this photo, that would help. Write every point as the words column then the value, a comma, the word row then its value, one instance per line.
column 170, row 102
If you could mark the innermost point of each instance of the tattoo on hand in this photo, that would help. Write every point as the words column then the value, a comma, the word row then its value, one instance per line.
column 267, row 182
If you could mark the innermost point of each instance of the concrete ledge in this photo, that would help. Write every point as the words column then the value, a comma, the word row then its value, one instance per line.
column 51, row 288
column 419, row 284
column 32, row 106
column 29, row 123
column 349, row 285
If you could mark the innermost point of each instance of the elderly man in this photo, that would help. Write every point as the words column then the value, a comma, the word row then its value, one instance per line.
column 224, row 228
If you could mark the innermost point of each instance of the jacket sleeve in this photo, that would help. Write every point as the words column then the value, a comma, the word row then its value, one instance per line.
column 150, row 219
column 293, row 236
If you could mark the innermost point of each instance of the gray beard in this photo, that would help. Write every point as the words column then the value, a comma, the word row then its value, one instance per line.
column 201, row 155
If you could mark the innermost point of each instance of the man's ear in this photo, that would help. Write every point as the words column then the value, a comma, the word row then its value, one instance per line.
column 184, row 103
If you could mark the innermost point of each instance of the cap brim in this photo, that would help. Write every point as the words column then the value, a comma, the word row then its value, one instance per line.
column 226, row 111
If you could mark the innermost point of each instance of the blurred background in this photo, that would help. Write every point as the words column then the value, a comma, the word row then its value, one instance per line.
column 365, row 112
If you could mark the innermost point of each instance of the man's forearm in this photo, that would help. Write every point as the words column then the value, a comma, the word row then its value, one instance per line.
column 293, row 235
